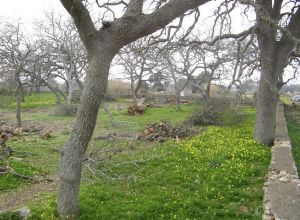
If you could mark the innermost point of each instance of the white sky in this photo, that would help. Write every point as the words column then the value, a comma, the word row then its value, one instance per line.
column 28, row 9
column 31, row 10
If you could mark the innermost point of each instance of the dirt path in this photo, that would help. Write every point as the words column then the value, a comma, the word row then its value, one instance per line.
column 20, row 197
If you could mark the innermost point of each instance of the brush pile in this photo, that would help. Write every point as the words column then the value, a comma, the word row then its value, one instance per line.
column 163, row 130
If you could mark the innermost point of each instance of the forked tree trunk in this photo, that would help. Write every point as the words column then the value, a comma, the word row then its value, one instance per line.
column 73, row 150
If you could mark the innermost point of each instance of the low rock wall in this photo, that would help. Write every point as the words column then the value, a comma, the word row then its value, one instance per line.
column 282, row 188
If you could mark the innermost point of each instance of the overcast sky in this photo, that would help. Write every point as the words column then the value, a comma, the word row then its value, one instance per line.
column 31, row 10
column 28, row 10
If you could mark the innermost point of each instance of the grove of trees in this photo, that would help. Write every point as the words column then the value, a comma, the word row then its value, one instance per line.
column 156, row 42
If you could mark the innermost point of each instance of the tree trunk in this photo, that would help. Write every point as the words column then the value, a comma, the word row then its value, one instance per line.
column 58, row 100
column 70, row 93
column 18, row 106
column 73, row 150
column 22, row 93
column 266, row 108
column 208, row 88
column 274, row 55
column 38, row 89
column 178, row 106
column 137, row 88
column 30, row 91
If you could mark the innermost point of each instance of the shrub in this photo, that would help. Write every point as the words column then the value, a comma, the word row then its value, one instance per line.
column 217, row 112
column 65, row 110
column 4, row 91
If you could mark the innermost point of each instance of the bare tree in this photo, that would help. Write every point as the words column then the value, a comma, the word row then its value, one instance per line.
column 15, row 51
column 181, row 65
column 277, row 31
column 64, row 51
column 214, row 61
column 137, row 60
column 102, row 45
column 40, row 71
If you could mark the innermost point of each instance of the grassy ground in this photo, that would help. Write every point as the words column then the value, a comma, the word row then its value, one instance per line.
column 293, row 123
column 218, row 174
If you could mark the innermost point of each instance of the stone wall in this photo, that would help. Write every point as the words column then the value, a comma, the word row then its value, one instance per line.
column 282, row 188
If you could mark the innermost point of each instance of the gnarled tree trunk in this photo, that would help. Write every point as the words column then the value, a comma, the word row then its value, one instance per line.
column 73, row 150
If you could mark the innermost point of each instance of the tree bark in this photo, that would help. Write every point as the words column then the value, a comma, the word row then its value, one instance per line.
column 73, row 150
column 22, row 93
column 267, row 97
column 18, row 106
column 137, row 88
column 178, row 105
column 70, row 93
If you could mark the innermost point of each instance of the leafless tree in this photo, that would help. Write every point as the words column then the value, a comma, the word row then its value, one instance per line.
column 40, row 71
column 215, row 62
column 102, row 45
column 181, row 65
column 64, row 51
column 138, row 61
column 15, row 51
column 276, row 29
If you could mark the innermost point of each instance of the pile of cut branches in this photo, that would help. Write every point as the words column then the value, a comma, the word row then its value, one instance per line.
column 13, row 130
column 164, row 130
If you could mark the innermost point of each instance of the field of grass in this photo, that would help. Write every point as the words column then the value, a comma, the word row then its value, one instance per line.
column 217, row 174
column 293, row 123
column 35, row 100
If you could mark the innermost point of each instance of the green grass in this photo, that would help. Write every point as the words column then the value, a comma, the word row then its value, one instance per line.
column 38, row 158
column 151, row 115
column 35, row 100
column 218, row 174
column 34, row 151
column 293, row 123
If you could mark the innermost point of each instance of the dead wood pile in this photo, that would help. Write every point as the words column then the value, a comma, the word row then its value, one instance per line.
column 173, row 101
column 8, row 129
column 164, row 130
column 5, row 151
